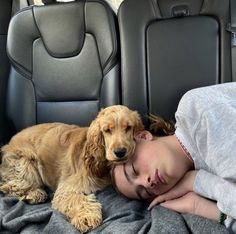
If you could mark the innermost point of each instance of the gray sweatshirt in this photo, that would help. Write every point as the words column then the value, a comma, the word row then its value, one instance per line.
column 206, row 125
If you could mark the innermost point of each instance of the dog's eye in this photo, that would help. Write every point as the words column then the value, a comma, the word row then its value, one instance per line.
column 107, row 130
column 128, row 128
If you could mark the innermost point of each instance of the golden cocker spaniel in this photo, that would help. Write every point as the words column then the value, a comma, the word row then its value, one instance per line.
column 71, row 160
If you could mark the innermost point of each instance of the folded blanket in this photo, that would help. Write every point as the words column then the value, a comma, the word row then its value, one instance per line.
column 120, row 215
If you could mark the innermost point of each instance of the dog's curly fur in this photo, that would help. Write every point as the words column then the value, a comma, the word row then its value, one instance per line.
column 71, row 160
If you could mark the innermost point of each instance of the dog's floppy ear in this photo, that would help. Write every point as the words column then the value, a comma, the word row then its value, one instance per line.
column 95, row 149
column 138, row 124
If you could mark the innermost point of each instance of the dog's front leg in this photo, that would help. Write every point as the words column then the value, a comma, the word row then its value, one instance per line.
column 83, row 211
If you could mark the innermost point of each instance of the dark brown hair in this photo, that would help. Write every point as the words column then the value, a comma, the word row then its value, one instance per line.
column 161, row 127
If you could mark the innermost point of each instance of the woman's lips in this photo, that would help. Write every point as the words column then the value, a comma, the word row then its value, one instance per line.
column 159, row 178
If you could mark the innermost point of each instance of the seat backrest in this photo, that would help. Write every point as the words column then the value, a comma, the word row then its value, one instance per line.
column 169, row 47
column 65, row 63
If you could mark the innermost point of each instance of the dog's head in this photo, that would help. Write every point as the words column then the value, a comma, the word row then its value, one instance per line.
column 116, row 127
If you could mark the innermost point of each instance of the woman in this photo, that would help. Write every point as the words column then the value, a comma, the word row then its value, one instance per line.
column 193, row 170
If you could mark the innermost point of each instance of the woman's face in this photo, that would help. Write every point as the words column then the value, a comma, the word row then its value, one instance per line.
column 153, row 170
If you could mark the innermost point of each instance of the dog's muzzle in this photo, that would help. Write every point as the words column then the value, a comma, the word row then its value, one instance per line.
column 120, row 152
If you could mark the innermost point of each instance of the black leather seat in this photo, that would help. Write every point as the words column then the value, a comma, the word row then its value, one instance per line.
column 65, row 63
column 5, row 15
column 169, row 47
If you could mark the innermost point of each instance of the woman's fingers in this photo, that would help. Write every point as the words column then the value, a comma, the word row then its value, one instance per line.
column 154, row 202
column 176, row 204
column 186, row 203
column 161, row 198
column 174, row 193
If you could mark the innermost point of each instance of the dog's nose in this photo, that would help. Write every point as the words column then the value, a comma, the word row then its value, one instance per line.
column 120, row 152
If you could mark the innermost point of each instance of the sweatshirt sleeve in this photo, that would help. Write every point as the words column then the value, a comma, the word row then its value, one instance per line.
column 205, row 123
column 223, row 191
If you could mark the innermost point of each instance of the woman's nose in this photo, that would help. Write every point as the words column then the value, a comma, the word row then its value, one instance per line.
column 150, row 182
column 147, row 182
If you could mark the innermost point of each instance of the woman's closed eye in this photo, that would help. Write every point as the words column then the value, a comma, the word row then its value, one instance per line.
column 143, row 193
column 135, row 172
column 148, row 193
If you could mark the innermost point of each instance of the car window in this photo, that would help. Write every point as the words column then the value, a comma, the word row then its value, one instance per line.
column 113, row 3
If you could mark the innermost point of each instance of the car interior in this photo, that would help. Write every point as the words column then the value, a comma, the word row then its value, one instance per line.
column 64, row 61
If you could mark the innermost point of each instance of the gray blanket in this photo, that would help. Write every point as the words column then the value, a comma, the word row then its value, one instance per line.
column 120, row 216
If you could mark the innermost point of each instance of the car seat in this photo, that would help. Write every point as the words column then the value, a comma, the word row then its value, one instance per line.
column 64, row 63
column 169, row 47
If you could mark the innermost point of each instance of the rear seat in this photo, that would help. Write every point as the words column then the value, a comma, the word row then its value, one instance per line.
column 169, row 47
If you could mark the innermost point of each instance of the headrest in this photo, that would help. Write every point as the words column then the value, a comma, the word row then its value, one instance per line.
column 61, row 27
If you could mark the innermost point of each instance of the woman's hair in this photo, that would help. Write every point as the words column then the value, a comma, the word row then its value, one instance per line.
column 161, row 127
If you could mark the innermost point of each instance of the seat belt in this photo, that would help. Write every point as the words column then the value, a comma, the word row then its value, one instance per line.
column 232, row 28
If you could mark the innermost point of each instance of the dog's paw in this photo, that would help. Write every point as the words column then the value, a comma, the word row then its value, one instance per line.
column 10, row 188
column 89, row 214
column 86, row 222
column 35, row 196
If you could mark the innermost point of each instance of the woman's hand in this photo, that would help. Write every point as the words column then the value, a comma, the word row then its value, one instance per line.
column 194, row 204
column 184, row 186
column 188, row 203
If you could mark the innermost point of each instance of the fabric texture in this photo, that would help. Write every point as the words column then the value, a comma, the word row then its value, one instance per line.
column 206, row 125
column 120, row 216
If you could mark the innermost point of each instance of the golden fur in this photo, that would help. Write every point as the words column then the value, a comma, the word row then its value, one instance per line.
column 71, row 160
